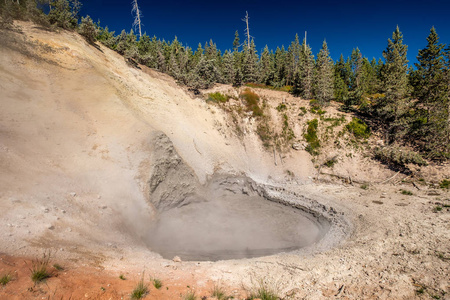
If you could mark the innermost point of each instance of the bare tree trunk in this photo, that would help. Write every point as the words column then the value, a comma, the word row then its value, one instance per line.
column 137, row 19
column 247, row 31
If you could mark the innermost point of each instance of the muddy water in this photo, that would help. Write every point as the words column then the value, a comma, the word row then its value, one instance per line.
column 225, row 224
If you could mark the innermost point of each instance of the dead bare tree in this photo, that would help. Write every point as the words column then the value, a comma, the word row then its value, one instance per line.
column 137, row 18
column 247, row 30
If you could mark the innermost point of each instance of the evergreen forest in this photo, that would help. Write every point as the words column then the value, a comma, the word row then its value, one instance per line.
column 409, row 104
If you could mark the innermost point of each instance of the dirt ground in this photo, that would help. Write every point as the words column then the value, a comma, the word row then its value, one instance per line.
column 76, row 131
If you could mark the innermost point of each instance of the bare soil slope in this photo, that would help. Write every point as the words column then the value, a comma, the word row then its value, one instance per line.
column 77, row 125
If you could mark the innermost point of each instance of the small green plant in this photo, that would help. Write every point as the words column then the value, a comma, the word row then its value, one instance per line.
column 157, row 283
column 364, row 186
column 281, row 107
column 58, row 267
column 190, row 296
column 312, row 138
column 438, row 208
column 263, row 292
column 330, row 162
column 219, row 293
column 5, row 279
column 406, row 192
column 358, row 128
column 102, row 288
column 420, row 291
column 218, row 97
column 39, row 268
column 302, row 111
column 122, row 277
column 140, row 290
column 445, row 184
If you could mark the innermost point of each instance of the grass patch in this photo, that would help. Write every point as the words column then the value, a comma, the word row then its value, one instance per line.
column 406, row 192
column 281, row 107
column 5, row 279
column 157, row 283
column 219, row 293
column 251, row 101
column 312, row 138
column 263, row 292
column 364, row 186
column 330, row 162
column 58, row 267
column 218, row 97
column 358, row 128
column 445, row 184
column 302, row 111
column 39, row 268
column 437, row 208
column 317, row 110
column 140, row 290
column 190, row 296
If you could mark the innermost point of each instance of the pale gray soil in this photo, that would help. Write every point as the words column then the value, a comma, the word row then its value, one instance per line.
column 78, row 158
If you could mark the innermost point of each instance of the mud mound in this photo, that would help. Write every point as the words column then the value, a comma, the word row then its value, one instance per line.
column 229, row 217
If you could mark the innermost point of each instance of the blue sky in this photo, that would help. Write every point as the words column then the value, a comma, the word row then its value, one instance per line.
column 344, row 24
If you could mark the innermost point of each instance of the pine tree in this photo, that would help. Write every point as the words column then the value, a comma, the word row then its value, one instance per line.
column 228, row 67
column 342, row 73
column 323, row 79
column 430, row 88
column 306, row 70
column 265, row 67
column 250, row 64
column 293, row 59
column 395, row 77
column 88, row 29
column 357, row 80
column 236, row 42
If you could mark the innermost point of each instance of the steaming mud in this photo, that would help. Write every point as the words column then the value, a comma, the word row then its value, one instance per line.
column 230, row 224
column 230, row 217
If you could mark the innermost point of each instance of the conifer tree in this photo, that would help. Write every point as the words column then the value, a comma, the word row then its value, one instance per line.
column 323, row 79
column 265, row 67
column 430, row 89
column 395, row 79
column 236, row 42
column 250, row 67
column 342, row 73
column 357, row 79
column 228, row 67
column 306, row 70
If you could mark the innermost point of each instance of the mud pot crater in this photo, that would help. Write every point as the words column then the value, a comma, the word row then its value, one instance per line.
column 231, row 217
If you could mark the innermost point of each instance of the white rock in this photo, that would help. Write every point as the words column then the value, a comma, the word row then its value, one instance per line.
column 176, row 259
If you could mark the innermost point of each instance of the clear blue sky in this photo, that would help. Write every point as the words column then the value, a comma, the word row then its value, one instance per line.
column 345, row 24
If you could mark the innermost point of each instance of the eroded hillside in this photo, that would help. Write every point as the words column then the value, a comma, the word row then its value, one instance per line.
column 82, row 174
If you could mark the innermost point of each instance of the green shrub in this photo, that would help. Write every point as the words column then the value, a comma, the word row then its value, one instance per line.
column 358, row 128
column 281, row 107
column 364, row 186
column 218, row 97
column 87, row 29
column 219, row 293
column 394, row 155
column 140, row 290
column 39, row 268
column 5, row 279
column 263, row 292
column 406, row 192
column 445, row 184
column 190, row 296
column 251, row 100
column 157, row 283
column 312, row 138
